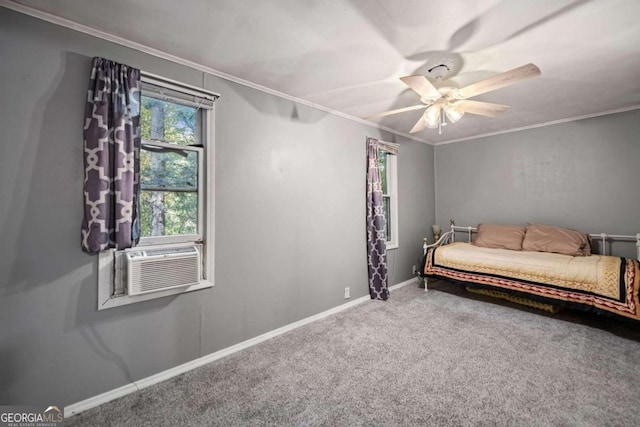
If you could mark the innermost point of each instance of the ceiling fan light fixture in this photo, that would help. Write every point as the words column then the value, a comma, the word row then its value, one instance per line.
column 453, row 113
column 432, row 117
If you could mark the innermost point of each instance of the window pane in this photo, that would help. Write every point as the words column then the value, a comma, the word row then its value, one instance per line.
column 387, row 215
column 168, row 121
column 167, row 169
column 382, row 165
column 168, row 213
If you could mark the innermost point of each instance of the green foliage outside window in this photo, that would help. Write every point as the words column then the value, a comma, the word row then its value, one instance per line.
column 180, row 121
column 163, row 171
column 382, row 166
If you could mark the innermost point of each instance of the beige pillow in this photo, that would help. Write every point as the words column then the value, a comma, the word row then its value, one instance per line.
column 500, row 236
column 547, row 238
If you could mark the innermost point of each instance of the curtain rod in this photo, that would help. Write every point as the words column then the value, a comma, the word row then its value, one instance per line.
column 179, row 85
column 390, row 144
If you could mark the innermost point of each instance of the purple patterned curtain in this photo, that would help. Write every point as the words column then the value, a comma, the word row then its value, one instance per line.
column 376, row 226
column 111, row 158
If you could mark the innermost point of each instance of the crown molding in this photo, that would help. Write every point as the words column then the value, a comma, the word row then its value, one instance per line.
column 540, row 125
column 67, row 23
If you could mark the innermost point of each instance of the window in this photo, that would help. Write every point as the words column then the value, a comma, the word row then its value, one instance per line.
column 176, row 171
column 171, row 169
column 388, row 175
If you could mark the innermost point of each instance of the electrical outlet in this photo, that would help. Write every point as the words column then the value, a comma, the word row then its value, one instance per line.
column 347, row 293
column 415, row 269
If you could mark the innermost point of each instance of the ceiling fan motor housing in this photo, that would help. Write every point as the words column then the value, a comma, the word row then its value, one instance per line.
column 446, row 92
column 439, row 72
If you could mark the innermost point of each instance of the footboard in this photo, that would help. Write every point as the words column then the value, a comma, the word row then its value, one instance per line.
column 446, row 238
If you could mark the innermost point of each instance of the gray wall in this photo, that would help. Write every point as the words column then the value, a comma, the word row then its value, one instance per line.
column 583, row 174
column 290, row 231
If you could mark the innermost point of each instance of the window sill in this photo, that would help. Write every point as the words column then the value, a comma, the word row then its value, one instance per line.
column 127, row 299
column 392, row 246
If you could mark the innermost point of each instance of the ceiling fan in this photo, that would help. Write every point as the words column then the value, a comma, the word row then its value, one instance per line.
column 453, row 102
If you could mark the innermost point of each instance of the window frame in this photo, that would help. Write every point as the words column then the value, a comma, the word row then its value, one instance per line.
column 183, row 238
column 109, row 280
column 391, row 176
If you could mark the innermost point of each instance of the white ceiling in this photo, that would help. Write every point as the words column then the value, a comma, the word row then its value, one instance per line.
column 347, row 55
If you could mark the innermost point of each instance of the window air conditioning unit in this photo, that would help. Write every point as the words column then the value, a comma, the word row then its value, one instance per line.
column 156, row 270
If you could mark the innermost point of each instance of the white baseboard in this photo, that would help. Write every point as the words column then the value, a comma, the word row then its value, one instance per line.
column 100, row 399
column 402, row 284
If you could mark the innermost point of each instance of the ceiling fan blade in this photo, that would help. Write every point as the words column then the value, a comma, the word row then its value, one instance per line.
column 420, row 125
column 399, row 110
column 501, row 80
column 486, row 109
column 421, row 86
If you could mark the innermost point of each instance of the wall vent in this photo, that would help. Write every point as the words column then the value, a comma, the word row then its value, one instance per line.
column 160, row 269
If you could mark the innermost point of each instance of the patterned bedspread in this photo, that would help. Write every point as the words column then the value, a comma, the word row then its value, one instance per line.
column 602, row 282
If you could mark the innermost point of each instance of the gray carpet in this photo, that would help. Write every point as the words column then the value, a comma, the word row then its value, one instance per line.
column 433, row 359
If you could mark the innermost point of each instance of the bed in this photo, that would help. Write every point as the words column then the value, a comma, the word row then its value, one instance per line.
column 600, row 283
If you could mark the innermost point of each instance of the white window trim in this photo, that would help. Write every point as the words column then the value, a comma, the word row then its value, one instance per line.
column 392, row 192
column 106, row 259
